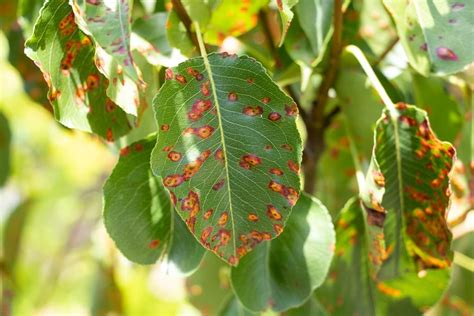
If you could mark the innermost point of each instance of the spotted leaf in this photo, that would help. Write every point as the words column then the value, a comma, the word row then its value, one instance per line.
column 139, row 216
column 430, row 32
column 282, row 273
column 108, row 23
column 65, row 55
column 407, row 196
column 221, row 180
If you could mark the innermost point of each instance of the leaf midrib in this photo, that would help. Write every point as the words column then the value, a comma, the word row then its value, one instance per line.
column 207, row 65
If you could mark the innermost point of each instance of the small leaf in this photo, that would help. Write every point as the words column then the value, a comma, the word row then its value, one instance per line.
column 65, row 55
column 139, row 216
column 108, row 23
column 409, row 184
column 5, row 140
column 430, row 33
column 283, row 273
column 228, row 150
column 286, row 15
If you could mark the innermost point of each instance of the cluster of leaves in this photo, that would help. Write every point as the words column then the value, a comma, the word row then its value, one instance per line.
column 216, row 169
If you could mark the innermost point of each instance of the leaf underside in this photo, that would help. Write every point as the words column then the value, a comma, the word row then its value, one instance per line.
column 228, row 150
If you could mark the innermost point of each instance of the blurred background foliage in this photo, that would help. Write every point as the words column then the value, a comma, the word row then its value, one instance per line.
column 57, row 258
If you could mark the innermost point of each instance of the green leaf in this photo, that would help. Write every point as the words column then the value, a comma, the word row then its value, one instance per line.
column 350, row 288
column 65, row 55
column 286, row 15
column 228, row 150
column 315, row 18
column 284, row 272
column 232, row 18
column 5, row 140
column 209, row 287
column 108, row 23
column 177, row 35
column 234, row 308
column 430, row 32
column 408, row 183
column 139, row 217
column 150, row 39
column 445, row 115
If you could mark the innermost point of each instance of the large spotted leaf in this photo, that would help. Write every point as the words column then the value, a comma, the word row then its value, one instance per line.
column 282, row 273
column 108, row 22
column 409, row 184
column 437, row 34
column 228, row 150
column 139, row 216
column 65, row 55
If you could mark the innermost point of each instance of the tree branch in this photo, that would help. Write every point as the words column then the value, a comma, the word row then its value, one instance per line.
column 184, row 17
column 316, row 124
column 387, row 50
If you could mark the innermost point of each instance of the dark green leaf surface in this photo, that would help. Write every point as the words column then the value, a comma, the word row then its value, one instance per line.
column 408, row 181
column 65, row 55
column 108, row 23
column 139, row 216
column 228, row 150
column 5, row 139
column 436, row 34
column 177, row 35
column 284, row 272
column 234, row 308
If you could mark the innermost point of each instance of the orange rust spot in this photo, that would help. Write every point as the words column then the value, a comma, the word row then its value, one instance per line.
column 173, row 180
column 205, row 88
column 218, row 185
column 266, row 236
column 181, row 79
column 379, row 179
column 169, row 74
column 287, row 147
column 165, row 127
column 232, row 96
column 252, row 217
column 154, row 243
column 278, row 229
column 92, row 81
column 273, row 213
column 208, row 214
column 276, row 171
column 125, row 151
column 385, row 289
column 223, row 219
column 174, row 156
column 173, row 198
column 291, row 110
column 205, row 131
column 109, row 105
column 109, row 135
column 266, row 100
column 167, row 148
column 274, row 116
column 293, row 166
column 256, row 236
column 206, row 233
column 252, row 110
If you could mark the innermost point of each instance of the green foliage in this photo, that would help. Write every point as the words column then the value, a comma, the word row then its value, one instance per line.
column 225, row 120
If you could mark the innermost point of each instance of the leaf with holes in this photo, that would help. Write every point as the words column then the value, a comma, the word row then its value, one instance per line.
column 108, row 22
column 228, row 150
column 430, row 32
column 139, row 216
column 282, row 273
column 286, row 15
column 65, row 55
column 408, row 184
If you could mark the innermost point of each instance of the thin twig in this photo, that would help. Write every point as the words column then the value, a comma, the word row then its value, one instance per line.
column 387, row 50
column 315, row 145
column 184, row 17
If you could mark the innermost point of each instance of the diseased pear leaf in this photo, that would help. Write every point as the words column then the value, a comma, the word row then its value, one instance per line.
column 437, row 35
column 139, row 216
column 286, row 15
column 228, row 150
column 408, row 183
column 108, row 23
column 283, row 273
column 65, row 55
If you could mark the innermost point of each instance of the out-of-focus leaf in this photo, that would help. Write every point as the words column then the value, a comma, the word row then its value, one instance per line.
column 228, row 150
column 234, row 308
column 315, row 19
column 65, row 55
column 209, row 287
column 12, row 235
column 286, row 15
column 311, row 307
column 177, row 35
column 139, row 216
column 107, row 297
column 408, row 183
column 5, row 140
column 200, row 10
column 298, row 46
column 430, row 32
column 457, row 300
column 284, row 272
column 108, row 23
column 443, row 110
column 28, row 12
column 149, row 38
column 232, row 18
